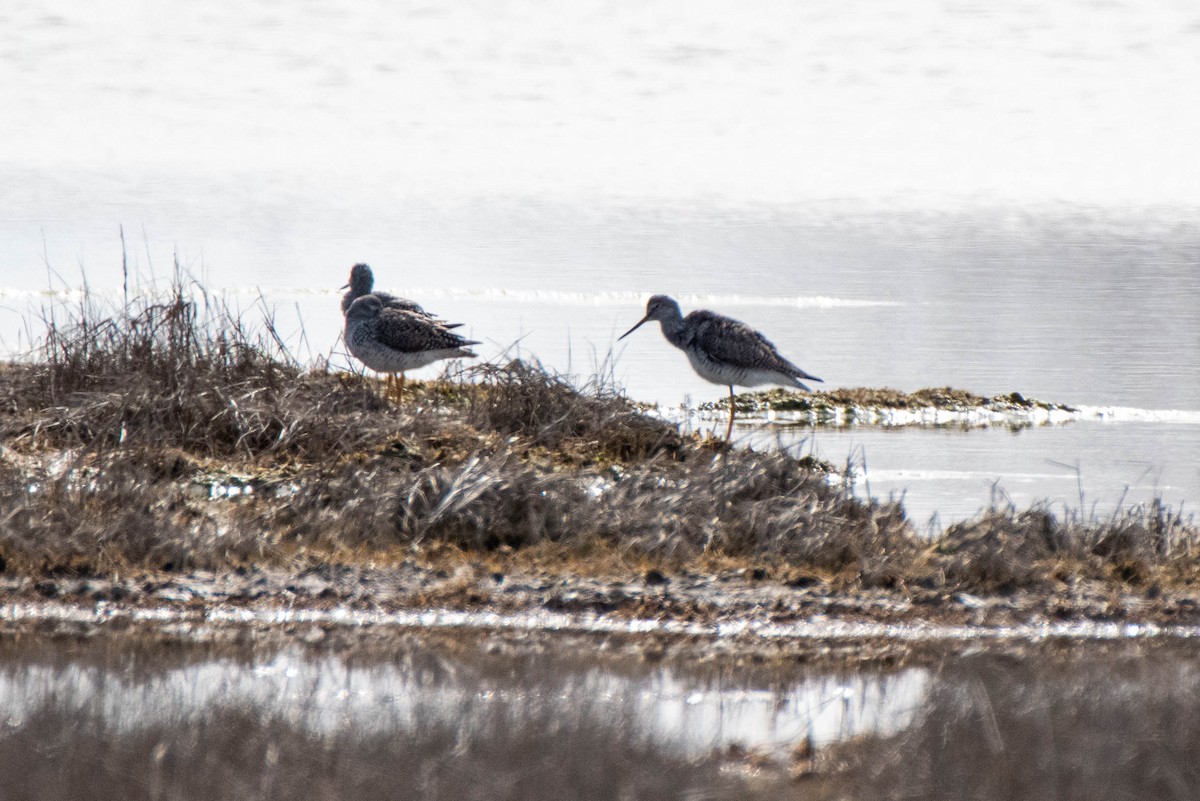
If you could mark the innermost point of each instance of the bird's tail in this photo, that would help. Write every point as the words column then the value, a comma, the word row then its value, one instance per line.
column 798, row 374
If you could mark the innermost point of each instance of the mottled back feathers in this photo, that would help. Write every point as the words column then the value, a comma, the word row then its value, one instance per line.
column 392, row 340
column 732, row 342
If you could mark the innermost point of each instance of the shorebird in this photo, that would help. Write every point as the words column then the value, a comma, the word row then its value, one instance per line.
column 393, row 340
column 722, row 350
column 361, row 282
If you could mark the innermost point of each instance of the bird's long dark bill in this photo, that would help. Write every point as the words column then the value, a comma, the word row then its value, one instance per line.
column 631, row 330
column 344, row 286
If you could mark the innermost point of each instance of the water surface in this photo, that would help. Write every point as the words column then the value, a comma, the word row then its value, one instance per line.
column 115, row 715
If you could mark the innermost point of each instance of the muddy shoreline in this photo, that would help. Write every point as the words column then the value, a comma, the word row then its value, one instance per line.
column 652, row 614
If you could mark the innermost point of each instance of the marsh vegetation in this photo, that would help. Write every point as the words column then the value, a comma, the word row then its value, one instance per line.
column 167, row 434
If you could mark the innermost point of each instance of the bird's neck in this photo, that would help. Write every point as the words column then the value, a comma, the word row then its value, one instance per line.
column 673, row 329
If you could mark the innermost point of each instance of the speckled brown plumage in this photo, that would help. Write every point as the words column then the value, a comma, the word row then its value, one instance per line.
column 392, row 341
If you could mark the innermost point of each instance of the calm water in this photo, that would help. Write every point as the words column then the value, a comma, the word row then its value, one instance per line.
column 410, row 717
column 419, row 687
column 995, row 198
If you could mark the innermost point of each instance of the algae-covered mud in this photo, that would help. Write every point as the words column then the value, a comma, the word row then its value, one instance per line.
column 952, row 454
column 942, row 406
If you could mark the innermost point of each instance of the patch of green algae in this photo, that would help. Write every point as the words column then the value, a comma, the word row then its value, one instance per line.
column 826, row 406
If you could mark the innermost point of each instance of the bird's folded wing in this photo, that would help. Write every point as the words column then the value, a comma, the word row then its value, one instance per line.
column 734, row 343
column 409, row 332
column 403, row 304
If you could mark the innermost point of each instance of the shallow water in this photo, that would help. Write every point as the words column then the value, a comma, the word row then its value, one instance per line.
column 431, row 718
column 415, row 686
column 999, row 199
column 1084, row 470
column 408, row 717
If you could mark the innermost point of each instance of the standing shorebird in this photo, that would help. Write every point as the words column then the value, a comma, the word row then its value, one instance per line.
column 360, row 284
column 722, row 350
column 392, row 340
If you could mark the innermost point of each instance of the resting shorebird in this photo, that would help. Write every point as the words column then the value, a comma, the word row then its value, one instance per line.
column 722, row 350
column 360, row 284
column 391, row 340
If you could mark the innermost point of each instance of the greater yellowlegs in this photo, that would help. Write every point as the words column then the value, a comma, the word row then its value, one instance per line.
column 392, row 340
column 722, row 350
column 361, row 282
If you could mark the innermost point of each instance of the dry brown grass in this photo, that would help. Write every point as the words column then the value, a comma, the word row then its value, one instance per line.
column 1005, row 550
column 548, row 411
column 178, row 370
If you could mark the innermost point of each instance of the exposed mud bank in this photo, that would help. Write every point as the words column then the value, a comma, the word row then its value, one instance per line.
column 653, row 613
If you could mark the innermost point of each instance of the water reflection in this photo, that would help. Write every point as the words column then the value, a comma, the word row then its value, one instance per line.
column 324, row 694
column 410, row 717
column 1087, row 725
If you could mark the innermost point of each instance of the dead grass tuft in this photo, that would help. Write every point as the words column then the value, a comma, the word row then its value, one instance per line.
column 1004, row 549
column 177, row 370
column 1001, row 550
column 96, row 516
column 547, row 410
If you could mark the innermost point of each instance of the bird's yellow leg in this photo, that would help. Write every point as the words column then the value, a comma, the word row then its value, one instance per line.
column 729, row 430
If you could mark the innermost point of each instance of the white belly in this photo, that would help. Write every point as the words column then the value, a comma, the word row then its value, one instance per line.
column 381, row 358
column 726, row 375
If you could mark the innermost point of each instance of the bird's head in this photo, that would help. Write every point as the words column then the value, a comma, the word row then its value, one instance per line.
column 364, row 308
column 361, row 279
column 659, row 307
